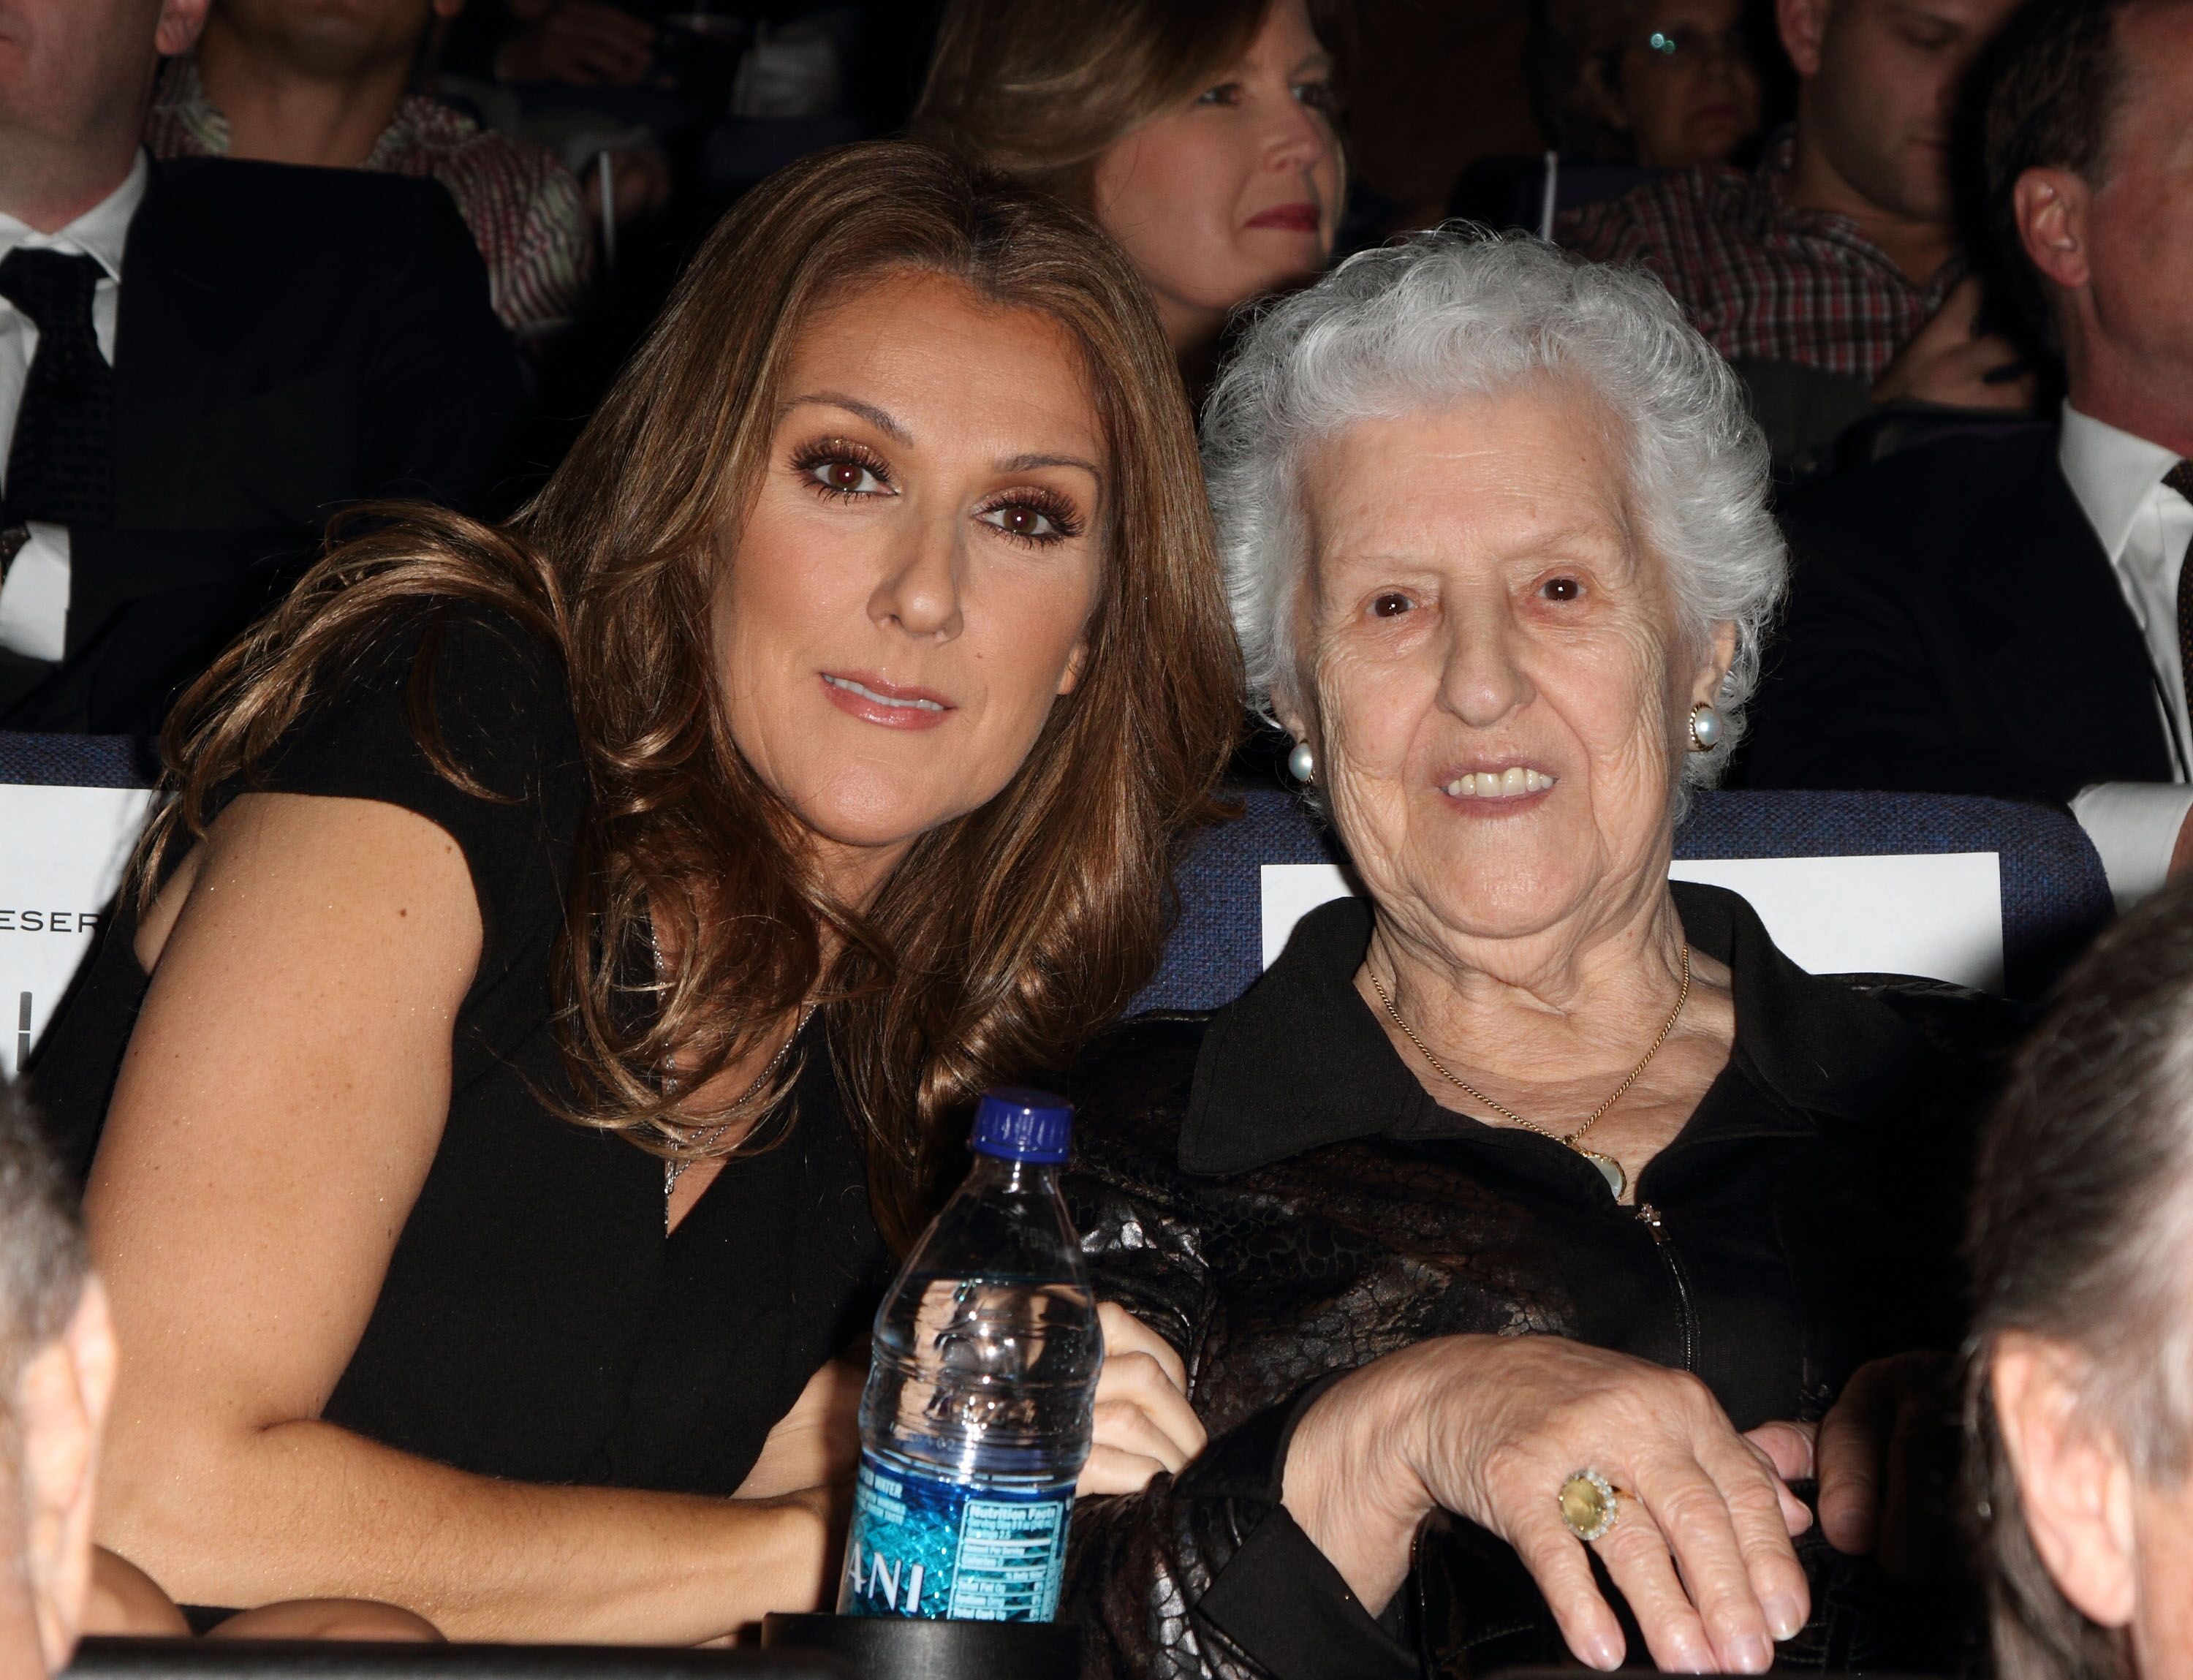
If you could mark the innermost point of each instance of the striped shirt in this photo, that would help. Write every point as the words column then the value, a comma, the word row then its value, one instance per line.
column 521, row 203
column 1758, row 276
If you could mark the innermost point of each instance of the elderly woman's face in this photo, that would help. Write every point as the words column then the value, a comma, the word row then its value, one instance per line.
column 1494, row 658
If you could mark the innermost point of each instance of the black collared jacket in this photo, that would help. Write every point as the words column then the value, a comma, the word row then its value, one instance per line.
column 1271, row 1187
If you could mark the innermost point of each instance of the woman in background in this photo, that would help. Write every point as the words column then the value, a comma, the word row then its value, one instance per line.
column 1199, row 133
column 567, row 949
column 1664, row 83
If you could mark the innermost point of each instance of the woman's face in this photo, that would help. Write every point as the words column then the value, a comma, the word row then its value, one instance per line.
column 1236, row 194
column 1686, row 90
column 1498, row 682
column 909, row 592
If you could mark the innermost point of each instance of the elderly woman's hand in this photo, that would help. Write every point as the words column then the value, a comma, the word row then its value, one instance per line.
column 1490, row 1427
column 1144, row 1424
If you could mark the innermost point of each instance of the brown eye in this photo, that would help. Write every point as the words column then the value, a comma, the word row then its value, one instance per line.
column 1391, row 605
column 845, row 475
column 1563, row 589
column 1032, row 523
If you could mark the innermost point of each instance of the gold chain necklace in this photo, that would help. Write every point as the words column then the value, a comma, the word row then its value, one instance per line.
column 1609, row 1169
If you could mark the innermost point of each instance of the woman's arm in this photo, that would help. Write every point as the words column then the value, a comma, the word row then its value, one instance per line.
column 281, row 1101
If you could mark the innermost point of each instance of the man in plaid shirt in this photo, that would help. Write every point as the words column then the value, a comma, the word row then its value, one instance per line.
column 1829, row 274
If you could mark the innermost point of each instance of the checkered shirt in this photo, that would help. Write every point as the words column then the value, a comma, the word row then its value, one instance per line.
column 521, row 203
column 1758, row 276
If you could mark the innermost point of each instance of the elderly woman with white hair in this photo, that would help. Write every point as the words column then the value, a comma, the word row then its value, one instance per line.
column 1531, row 1226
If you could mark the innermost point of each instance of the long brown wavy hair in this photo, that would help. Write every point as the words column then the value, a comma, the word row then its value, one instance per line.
column 1006, row 937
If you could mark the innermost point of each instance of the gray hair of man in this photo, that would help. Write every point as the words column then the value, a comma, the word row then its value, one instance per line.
column 44, row 1259
column 1456, row 313
column 2081, row 1235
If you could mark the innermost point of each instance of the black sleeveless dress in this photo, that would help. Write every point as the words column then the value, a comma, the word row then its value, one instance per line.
column 535, row 1323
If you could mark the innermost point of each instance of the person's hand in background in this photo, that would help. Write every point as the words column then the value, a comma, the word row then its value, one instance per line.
column 582, row 42
column 1950, row 361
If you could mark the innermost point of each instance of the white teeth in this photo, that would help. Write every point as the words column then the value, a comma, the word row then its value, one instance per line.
column 1513, row 783
column 867, row 693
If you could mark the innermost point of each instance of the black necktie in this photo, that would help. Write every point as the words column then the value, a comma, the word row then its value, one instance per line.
column 2181, row 479
column 59, row 465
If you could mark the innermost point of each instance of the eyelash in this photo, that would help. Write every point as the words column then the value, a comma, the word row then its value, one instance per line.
column 1065, row 521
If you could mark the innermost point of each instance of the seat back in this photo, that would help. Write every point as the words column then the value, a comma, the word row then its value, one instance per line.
column 1980, row 891
column 70, row 809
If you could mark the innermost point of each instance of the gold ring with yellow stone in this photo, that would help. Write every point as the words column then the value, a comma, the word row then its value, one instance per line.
column 1590, row 1504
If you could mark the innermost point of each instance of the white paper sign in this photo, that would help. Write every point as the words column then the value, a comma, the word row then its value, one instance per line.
column 1938, row 915
column 62, row 852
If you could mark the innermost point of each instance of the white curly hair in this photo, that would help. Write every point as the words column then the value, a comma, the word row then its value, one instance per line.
column 1459, row 312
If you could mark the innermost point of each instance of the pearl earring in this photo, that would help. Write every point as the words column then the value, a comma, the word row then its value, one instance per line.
column 1301, row 763
column 1705, row 727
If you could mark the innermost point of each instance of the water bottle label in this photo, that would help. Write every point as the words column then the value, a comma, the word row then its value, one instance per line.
column 924, row 1546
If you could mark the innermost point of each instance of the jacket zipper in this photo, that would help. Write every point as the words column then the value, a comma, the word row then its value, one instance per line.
column 1686, row 1322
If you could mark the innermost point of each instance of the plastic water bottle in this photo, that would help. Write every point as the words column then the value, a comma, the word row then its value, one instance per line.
column 976, row 1417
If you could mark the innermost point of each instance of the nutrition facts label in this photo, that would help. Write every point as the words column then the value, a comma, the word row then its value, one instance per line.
column 926, row 1547
column 1010, row 1561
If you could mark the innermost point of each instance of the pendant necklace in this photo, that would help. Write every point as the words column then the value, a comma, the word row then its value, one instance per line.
column 1610, row 1169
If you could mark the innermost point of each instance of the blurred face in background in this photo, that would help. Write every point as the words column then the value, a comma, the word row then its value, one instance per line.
column 74, row 76
column 1237, row 193
column 332, row 37
column 1683, row 85
column 1880, row 85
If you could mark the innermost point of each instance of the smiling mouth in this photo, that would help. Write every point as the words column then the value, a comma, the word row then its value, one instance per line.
column 910, row 704
column 1514, row 783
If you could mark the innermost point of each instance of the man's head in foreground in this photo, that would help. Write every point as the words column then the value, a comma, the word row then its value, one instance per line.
column 56, row 1376
column 2081, row 1396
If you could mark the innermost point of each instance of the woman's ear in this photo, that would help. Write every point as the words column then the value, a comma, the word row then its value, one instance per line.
column 2074, row 1483
column 1720, row 655
column 1076, row 662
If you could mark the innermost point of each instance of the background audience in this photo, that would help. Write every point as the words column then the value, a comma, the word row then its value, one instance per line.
column 1200, row 134
column 2080, row 1397
column 302, row 81
column 285, row 341
column 1828, row 275
column 2005, row 615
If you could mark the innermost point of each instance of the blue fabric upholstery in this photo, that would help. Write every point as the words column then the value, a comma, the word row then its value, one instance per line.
column 2055, row 896
column 78, row 760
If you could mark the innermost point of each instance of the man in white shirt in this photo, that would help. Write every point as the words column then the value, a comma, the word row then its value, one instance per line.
column 72, row 177
column 199, row 361
column 2003, row 616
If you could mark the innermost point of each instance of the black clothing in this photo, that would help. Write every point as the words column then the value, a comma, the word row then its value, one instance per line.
column 535, row 1322
column 1956, row 627
column 59, row 463
column 287, row 340
column 1271, row 1189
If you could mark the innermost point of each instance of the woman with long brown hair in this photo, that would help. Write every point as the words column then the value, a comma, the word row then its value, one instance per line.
column 569, row 947
column 1199, row 133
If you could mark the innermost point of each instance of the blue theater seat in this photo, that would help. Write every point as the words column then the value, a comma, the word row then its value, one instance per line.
column 2054, row 897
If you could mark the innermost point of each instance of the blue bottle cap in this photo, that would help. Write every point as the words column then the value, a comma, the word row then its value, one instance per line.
column 1022, row 1126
